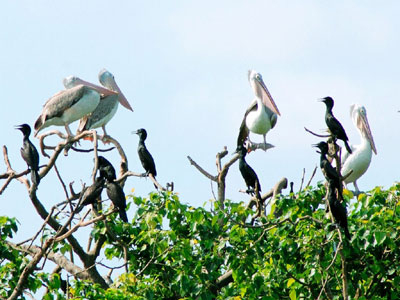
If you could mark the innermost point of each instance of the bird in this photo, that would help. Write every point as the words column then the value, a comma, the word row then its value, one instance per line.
column 29, row 153
column 106, row 169
column 262, row 114
column 107, row 106
column 144, row 155
column 338, row 210
column 248, row 174
column 359, row 160
column 330, row 173
column 334, row 126
column 70, row 105
column 117, row 197
column 91, row 193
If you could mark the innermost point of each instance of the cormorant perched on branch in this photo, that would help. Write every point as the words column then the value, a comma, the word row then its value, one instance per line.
column 144, row 155
column 338, row 211
column 106, row 169
column 117, row 196
column 333, row 124
column 248, row 174
column 329, row 172
column 91, row 193
column 29, row 153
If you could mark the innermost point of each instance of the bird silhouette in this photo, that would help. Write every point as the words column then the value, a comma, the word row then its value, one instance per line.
column 333, row 124
column 338, row 210
column 29, row 153
column 106, row 169
column 248, row 174
column 117, row 197
column 91, row 193
column 144, row 155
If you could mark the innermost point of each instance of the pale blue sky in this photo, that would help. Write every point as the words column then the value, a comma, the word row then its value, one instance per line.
column 183, row 67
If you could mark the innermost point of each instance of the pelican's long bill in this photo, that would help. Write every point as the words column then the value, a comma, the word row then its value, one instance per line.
column 72, row 81
column 263, row 93
column 359, row 114
column 107, row 80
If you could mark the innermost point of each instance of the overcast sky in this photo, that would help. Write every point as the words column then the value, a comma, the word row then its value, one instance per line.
column 183, row 67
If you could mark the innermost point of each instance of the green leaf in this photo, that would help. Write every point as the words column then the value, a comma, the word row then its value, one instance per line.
column 380, row 237
column 292, row 294
column 290, row 282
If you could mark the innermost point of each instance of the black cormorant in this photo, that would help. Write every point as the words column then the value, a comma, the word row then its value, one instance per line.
column 333, row 124
column 338, row 211
column 117, row 196
column 106, row 169
column 29, row 153
column 144, row 155
column 248, row 174
column 91, row 193
column 329, row 172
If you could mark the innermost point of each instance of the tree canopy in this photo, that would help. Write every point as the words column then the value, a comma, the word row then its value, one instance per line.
column 172, row 250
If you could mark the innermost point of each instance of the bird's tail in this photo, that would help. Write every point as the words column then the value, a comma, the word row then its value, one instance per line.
column 122, row 215
column 35, row 177
column 347, row 233
column 346, row 144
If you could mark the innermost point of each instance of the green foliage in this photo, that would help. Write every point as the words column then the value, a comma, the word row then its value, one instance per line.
column 177, row 251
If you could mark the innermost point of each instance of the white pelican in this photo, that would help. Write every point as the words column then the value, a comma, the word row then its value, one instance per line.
column 107, row 107
column 262, row 113
column 359, row 160
column 70, row 105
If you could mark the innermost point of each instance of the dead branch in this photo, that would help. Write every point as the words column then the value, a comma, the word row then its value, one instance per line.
column 302, row 179
column 154, row 180
column 201, row 170
column 312, row 176
column 12, row 174
column 318, row 135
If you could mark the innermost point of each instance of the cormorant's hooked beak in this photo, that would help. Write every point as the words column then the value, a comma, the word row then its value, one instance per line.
column 135, row 132
column 316, row 146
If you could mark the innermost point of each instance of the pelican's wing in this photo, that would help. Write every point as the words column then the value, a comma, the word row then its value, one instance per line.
column 57, row 104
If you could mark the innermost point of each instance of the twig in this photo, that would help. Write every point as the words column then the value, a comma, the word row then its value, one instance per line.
column 12, row 174
column 201, row 170
column 91, row 150
column 302, row 179
column 318, row 135
column 156, row 183
column 312, row 176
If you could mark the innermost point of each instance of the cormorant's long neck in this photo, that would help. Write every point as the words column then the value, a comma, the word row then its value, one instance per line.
column 26, row 137
column 329, row 110
column 141, row 142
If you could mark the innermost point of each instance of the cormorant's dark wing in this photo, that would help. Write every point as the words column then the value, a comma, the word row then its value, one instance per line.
column 243, row 130
column 147, row 160
column 249, row 175
column 117, row 196
column 106, row 169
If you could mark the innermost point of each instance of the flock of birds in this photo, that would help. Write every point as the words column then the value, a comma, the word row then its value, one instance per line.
column 96, row 105
column 261, row 116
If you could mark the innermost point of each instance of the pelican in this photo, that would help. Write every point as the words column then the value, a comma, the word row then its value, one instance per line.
column 70, row 105
column 262, row 113
column 359, row 160
column 107, row 107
